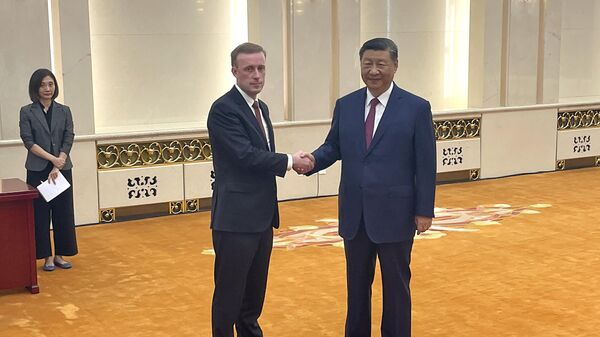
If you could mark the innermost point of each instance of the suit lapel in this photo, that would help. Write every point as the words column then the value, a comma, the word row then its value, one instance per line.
column 358, row 120
column 247, row 113
column 391, row 109
column 265, row 115
column 57, row 113
column 37, row 111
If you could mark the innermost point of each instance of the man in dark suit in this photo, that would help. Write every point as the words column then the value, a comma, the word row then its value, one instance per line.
column 244, row 202
column 384, row 137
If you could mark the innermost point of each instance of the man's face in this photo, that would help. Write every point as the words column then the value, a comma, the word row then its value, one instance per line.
column 377, row 70
column 249, row 71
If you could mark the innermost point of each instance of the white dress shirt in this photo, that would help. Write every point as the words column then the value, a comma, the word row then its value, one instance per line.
column 380, row 107
column 250, row 101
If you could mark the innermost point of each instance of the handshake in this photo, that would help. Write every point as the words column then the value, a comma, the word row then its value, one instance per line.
column 303, row 162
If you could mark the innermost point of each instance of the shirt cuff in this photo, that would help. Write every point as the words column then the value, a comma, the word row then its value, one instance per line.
column 290, row 162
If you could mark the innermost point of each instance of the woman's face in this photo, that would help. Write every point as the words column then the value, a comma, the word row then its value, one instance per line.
column 47, row 88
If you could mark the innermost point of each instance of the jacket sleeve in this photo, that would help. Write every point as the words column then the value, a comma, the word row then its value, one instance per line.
column 25, row 128
column 425, row 165
column 227, row 132
column 68, row 134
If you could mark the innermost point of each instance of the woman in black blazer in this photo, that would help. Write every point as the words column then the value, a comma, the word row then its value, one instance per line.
column 46, row 129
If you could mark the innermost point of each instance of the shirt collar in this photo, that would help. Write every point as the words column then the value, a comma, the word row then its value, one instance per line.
column 383, row 98
column 49, row 108
column 249, row 100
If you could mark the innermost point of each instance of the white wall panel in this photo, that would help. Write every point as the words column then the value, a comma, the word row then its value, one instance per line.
column 580, row 51
column 77, row 64
column 85, row 182
column 579, row 143
column 312, row 60
column 515, row 142
column 139, row 186
column 433, row 47
column 522, row 63
column 159, row 63
column 458, row 155
column 198, row 180
column 24, row 47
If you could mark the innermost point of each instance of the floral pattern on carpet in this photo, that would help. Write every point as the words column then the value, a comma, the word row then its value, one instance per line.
column 446, row 220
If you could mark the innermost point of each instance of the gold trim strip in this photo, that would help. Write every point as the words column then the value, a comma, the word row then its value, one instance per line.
column 164, row 152
column 457, row 128
column 576, row 163
column 578, row 119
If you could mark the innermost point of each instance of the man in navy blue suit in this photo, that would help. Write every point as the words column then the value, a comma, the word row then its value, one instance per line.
column 384, row 137
column 244, row 202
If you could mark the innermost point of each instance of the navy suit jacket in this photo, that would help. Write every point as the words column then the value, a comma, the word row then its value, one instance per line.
column 245, row 192
column 392, row 181
column 54, row 140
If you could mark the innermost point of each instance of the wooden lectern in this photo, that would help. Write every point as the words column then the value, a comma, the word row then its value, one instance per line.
column 17, row 236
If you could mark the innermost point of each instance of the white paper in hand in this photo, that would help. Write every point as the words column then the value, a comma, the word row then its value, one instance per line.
column 50, row 191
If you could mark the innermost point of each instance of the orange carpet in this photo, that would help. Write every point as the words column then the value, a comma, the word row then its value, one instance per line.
column 516, row 256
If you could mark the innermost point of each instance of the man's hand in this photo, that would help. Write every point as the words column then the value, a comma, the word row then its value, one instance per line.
column 423, row 223
column 303, row 162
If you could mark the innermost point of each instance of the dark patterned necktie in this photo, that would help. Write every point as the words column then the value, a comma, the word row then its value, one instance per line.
column 370, row 122
column 259, row 119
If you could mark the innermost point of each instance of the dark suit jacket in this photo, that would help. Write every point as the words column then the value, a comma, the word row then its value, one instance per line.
column 54, row 140
column 391, row 181
column 244, row 193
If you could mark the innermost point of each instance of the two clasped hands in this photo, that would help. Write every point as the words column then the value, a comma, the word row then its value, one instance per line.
column 59, row 163
column 303, row 162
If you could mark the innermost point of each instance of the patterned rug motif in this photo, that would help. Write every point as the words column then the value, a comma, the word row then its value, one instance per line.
column 446, row 220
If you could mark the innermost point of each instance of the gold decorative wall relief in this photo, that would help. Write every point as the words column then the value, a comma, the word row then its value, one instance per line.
column 107, row 215
column 578, row 119
column 152, row 153
column 176, row 207
column 192, row 205
column 457, row 128
column 474, row 174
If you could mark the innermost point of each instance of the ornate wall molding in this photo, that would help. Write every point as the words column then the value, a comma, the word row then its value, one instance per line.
column 578, row 119
column 452, row 156
column 152, row 153
column 176, row 207
column 192, row 205
column 106, row 215
column 457, row 128
column 474, row 174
